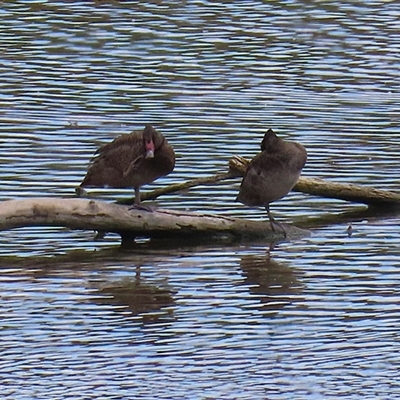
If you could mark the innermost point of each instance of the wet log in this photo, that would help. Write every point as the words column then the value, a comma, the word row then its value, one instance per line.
column 314, row 186
column 130, row 222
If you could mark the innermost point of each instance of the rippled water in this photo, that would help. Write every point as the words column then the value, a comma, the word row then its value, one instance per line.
column 317, row 317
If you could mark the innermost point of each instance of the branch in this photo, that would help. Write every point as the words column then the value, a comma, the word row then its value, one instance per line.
column 313, row 186
column 333, row 190
column 178, row 187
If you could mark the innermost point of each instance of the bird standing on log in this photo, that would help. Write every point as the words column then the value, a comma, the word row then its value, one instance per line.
column 130, row 161
column 272, row 174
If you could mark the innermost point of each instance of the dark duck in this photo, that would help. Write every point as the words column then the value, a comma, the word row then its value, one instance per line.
column 130, row 161
column 272, row 174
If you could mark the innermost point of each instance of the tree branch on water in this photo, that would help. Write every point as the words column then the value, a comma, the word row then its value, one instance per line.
column 178, row 187
column 333, row 190
column 314, row 186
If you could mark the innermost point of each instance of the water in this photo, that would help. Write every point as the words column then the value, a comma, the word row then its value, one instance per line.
column 317, row 317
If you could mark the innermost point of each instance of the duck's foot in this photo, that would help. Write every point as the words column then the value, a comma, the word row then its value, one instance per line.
column 80, row 191
column 274, row 223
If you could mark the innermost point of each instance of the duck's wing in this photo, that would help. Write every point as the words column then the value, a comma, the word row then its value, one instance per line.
column 122, row 156
column 133, row 140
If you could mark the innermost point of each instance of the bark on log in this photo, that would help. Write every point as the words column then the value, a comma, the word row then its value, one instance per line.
column 131, row 222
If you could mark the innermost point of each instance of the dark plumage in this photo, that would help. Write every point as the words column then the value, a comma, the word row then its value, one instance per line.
column 272, row 174
column 130, row 161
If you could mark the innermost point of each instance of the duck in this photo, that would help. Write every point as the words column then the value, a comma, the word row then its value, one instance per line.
column 130, row 161
column 272, row 174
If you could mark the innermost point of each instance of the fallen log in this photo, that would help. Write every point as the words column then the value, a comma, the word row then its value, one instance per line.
column 130, row 222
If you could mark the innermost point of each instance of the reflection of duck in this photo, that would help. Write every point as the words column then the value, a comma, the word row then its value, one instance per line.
column 130, row 161
column 138, row 297
column 273, row 281
column 272, row 174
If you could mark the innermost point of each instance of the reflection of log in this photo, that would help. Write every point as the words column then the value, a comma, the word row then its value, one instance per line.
column 314, row 186
column 129, row 223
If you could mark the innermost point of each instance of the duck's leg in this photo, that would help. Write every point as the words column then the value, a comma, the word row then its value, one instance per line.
column 273, row 222
column 138, row 204
column 81, row 192
column 137, row 196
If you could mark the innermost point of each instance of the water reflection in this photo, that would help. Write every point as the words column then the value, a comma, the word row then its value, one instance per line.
column 356, row 214
column 137, row 296
column 272, row 282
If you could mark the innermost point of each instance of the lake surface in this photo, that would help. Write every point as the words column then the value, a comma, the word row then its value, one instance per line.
column 316, row 317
